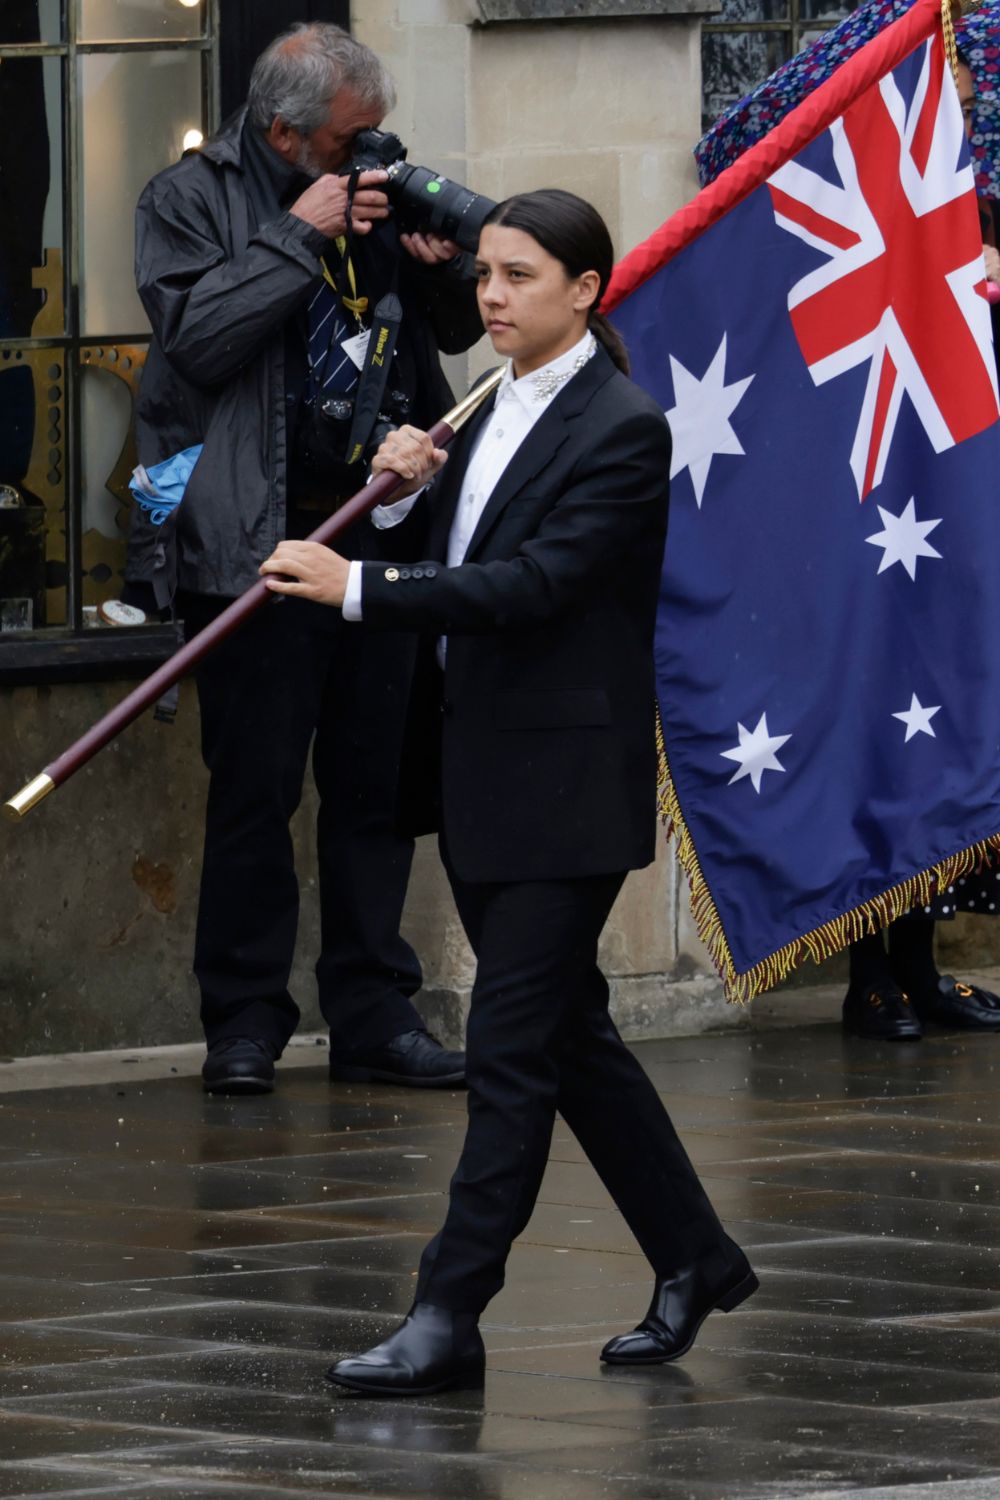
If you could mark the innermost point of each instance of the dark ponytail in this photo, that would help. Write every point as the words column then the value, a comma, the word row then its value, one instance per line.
column 573, row 232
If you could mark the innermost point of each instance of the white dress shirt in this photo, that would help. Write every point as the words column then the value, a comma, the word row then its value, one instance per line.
column 517, row 407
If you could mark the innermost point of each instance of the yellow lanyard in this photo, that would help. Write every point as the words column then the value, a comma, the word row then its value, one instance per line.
column 355, row 304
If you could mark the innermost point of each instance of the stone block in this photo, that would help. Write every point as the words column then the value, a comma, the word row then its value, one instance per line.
column 558, row 86
column 439, row 86
column 653, row 185
column 593, row 174
column 438, row 12
column 645, row 1006
column 639, row 938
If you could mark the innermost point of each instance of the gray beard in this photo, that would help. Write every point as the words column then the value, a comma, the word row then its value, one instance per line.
column 306, row 162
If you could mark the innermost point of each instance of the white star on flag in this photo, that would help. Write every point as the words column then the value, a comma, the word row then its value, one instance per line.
column 917, row 718
column 755, row 752
column 904, row 539
column 699, row 418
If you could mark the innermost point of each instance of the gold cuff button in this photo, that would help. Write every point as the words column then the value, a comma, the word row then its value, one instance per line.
column 391, row 575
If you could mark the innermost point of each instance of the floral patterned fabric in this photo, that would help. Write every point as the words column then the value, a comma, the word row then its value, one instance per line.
column 751, row 118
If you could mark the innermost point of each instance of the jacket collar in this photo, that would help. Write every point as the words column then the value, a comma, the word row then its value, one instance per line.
column 225, row 146
column 543, row 442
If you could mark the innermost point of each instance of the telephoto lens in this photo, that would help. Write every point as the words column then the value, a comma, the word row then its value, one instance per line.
column 430, row 203
column 423, row 200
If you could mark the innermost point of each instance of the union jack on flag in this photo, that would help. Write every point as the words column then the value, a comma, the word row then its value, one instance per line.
column 815, row 327
column 898, row 210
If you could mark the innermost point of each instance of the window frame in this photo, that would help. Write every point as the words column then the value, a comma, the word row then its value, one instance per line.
column 74, row 651
column 793, row 25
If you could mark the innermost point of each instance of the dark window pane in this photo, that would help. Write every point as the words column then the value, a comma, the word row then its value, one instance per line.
column 33, row 476
column 141, row 20
column 754, row 10
column 825, row 10
column 31, row 231
column 733, row 63
column 24, row 21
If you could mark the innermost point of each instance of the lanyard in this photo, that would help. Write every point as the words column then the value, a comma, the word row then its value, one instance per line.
column 353, row 303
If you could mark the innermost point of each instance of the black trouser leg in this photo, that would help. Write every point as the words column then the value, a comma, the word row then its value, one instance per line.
column 630, row 1139
column 911, row 953
column 366, row 972
column 533, row 1004
column 869, row 961
column 263, row 693
column 259, row 693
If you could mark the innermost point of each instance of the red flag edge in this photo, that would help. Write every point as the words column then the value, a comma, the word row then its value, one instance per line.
column 806, row 121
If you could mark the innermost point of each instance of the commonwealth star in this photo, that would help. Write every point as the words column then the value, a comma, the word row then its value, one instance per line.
column 904, row 539
column 699, row 419
column 755, row 752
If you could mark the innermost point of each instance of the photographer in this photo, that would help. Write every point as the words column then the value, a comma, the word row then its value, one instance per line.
column 261, row 269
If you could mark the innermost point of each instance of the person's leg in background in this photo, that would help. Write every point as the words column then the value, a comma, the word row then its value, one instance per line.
column 937, row 997
column 875, row 1006
column 367, row 974
column 259, row 694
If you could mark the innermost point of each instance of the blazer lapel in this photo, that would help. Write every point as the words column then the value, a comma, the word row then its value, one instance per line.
column 542, row 443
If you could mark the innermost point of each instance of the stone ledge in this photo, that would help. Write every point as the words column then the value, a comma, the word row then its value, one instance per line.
column 696, row 1006
column 645, row 1007
column 493, row 11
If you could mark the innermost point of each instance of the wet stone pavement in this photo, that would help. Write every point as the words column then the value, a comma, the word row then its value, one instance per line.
column 177, row 1271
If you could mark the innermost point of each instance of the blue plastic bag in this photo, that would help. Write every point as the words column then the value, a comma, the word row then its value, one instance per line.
column 160, row 490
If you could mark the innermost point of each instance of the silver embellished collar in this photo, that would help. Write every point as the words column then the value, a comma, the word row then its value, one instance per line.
column 546, row 383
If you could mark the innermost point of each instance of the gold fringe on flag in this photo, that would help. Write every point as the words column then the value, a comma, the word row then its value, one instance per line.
column 822, row 942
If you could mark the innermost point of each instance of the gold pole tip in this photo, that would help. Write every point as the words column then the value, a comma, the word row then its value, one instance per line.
column 28, row 797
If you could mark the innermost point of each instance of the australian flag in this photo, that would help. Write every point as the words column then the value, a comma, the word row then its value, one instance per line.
column 828, row 644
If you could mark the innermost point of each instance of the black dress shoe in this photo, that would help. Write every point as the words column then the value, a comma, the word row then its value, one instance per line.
column 416, row 1058
column 432, row 1350
column 882, row 1012
column 680, row 1305
column 954, row 1004
column 239, row 1065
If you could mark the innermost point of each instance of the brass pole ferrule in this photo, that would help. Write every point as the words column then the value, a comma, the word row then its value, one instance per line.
column 463, row 411
column 28, row 797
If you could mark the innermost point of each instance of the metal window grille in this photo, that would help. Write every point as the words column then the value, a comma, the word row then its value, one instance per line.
column 753, row 37
column 92, row 92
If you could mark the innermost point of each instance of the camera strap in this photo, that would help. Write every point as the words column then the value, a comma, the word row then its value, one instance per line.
column 346, row 285
column 375, row 373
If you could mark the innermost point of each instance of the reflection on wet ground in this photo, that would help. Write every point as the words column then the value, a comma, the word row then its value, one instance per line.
column 177, row 1271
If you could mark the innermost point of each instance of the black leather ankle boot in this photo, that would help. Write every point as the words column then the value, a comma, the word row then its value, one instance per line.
column 433, row 1349
column 681, row 1303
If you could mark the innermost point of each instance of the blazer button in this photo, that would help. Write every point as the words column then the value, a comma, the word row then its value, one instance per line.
column 430, row 572
column 391, row 574
column 417, row 573
column 404, row 573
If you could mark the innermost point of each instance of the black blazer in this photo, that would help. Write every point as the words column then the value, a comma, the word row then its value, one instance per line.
column 548, row 761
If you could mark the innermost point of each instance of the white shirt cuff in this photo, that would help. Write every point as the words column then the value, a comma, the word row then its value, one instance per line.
column 386, row 516
column 351, row 607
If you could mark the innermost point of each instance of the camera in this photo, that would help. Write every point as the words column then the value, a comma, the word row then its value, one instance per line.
column 422, row 199
column 336, row 414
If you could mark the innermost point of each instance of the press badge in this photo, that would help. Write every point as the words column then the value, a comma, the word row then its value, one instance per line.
column 357, row 347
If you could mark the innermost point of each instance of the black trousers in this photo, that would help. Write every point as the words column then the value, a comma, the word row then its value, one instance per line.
column 540, row 1040
column 295, row 674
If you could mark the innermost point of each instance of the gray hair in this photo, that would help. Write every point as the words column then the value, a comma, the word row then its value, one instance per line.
column 303, row 70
